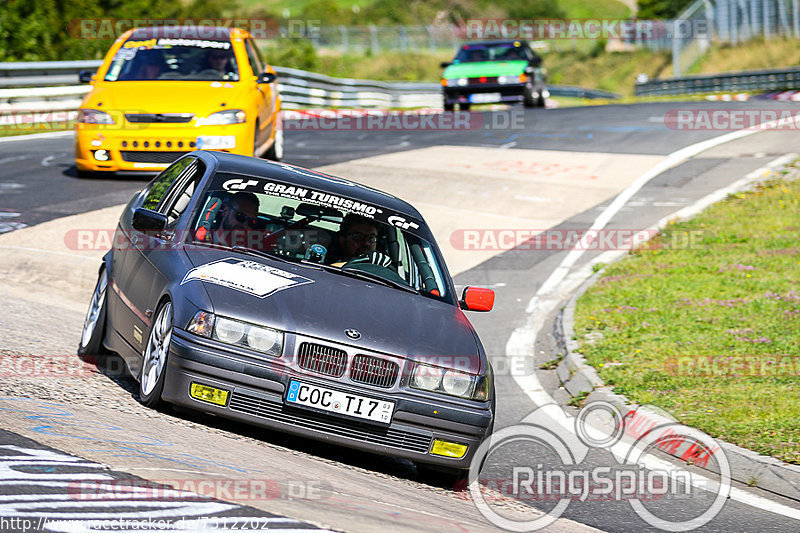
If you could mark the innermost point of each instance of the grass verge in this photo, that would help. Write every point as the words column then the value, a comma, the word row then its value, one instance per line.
column 704, row 321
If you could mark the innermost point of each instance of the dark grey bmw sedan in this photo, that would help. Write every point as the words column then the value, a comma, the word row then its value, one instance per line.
column 297, row 301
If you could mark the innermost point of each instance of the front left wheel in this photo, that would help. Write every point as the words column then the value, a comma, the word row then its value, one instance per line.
column 528, row 99
column 94, row 326
column 154, row 363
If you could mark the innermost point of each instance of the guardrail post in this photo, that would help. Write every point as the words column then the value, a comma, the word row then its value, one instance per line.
column 403, row 39
column 765, row 17
column 783, row 26
column 795, row 20
column 373, row 35
column 345, row 38
column 676, row 49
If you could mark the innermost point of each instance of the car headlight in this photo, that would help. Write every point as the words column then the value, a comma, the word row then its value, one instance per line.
column 94, row 116
column 449, row 381
column 238, row 333
column 427, row 377
column 229, row 116
column 462, row 82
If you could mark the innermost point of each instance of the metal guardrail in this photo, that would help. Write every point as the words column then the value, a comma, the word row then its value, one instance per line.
column 49, row 85
column 753, row 80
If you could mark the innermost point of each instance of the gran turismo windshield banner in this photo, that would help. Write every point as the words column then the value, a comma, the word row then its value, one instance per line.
column 236, row 183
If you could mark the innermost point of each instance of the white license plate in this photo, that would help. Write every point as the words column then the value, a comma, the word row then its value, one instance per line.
column 484, row 98
column 336, row 401
column 216, row 142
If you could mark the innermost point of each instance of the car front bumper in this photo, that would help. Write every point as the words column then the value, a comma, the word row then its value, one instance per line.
column 149, row 147
column 507, row 93
column 257, row 392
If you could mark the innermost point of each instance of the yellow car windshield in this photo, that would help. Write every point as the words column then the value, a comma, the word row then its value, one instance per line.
column 163, row 59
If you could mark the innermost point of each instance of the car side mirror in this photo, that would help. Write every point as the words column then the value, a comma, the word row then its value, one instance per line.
column 266, row 77
column 85, row 76
column 445, row 64
column 148, row 220
column 477, row 299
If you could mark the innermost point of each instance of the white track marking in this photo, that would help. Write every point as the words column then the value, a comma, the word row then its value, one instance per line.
column 561, row 283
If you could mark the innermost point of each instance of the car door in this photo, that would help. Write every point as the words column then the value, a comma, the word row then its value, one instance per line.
column 263, row 94
column 137, row 277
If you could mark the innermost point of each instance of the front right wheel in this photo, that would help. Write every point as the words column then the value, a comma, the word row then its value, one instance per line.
column 275, row 152
column 94, row 326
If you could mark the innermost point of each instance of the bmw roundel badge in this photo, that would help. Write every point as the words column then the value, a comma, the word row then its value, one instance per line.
column 353, row 334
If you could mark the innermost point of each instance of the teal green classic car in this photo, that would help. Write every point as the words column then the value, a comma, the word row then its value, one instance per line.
column 494, row 71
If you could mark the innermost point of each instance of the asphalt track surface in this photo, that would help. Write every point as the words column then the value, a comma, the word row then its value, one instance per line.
column 38, row 184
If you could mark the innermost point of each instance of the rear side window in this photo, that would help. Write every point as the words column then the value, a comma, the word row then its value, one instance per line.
column 164, row 181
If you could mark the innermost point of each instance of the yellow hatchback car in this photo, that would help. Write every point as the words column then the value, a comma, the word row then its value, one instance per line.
column 163, row 92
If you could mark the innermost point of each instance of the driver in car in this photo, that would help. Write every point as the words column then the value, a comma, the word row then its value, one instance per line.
column 357, row 239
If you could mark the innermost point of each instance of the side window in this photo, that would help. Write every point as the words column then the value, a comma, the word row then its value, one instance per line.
column 178, row 199
column 163, row 182
column 254, row 57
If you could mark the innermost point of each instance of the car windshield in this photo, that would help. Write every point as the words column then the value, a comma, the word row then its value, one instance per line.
column 490, row 52
column 174, row 59
column 332, row 232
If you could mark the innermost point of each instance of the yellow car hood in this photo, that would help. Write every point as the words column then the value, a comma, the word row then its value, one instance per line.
column 198, row 97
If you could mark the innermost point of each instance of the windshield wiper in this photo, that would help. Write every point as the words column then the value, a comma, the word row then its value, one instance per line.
column 362, row 274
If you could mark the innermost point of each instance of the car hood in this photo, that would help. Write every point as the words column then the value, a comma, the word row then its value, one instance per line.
column 198, row 97
column 485, row 68
column 323, row 304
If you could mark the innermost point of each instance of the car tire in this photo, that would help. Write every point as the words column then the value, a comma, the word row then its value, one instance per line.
column 528, row 99
column 449, row 107
column 94, row 326
column 442, row 476
column 541, row 102
column 255, row 140
column 87, row 174
column 275, row 151
column 154, row 360
column 464, row 107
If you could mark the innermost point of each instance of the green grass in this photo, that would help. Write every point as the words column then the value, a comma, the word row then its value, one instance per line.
column 755, row 54
column 579, row 9
column 661, row 317
column 592, row 9
column 295, row 7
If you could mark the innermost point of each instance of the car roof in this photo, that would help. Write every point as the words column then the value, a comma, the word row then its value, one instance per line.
column 313, row 179
column 212, row 33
